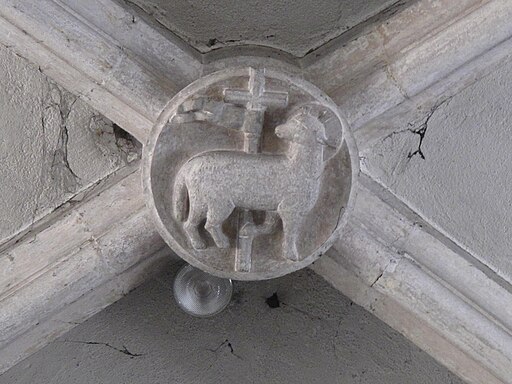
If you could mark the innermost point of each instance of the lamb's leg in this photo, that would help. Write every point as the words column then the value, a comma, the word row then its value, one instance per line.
column 291, row 226
column 191, row 227
column 217, row 214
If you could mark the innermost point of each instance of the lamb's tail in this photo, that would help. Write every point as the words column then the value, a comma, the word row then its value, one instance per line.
column 180, row 198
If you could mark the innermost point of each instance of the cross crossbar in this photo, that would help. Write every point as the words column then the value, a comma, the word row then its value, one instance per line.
column 256, row 98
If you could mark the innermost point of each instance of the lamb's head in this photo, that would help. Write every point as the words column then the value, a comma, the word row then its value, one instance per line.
column 303, row 127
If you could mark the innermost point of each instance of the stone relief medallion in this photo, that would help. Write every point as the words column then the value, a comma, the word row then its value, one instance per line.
column 249, row 174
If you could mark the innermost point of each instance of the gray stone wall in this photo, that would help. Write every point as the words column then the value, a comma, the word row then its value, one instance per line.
column 454, row 167
column 295, row 27
column 306, row 333
column 52, row 145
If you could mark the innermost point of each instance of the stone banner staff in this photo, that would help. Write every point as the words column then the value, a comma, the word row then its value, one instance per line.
column 256, row 100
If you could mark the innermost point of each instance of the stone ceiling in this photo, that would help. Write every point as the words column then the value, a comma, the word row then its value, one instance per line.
column 454, row 166
column 425, row 91
column 53, row 145
column 287, row 25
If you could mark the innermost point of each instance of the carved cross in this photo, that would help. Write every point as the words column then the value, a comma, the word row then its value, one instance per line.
column 256, row 101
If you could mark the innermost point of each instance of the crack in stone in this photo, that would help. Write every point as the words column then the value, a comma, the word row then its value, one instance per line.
column 69, row 322
column 387, row 64
column 45, row 150
column 64, row 146
column 229, row 345
column 394, row 133
column 422, row 130
column 390, row 266
column 391, row 76
column 401, row 163
column 124, row 350
column 377, row 279
column 212, row 42
column 68, row 178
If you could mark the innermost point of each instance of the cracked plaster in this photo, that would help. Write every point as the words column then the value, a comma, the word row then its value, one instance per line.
column 52, row 145
column 454, row 167
column 295, row 329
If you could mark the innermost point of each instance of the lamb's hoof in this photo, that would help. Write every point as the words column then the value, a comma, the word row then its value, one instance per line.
column 223, row 243
column 198, row 244
column 292, row 255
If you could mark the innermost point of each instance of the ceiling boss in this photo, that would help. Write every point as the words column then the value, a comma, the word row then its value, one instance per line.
column 249, row 173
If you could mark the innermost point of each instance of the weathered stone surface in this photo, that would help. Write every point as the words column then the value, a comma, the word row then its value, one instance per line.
column 52, row 145
column 128, row 71
column 290, row 26
column 454, row 166
column 231, row 210
column 71, row 266
column 296, row 329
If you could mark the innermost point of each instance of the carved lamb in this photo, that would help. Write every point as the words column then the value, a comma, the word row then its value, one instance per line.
column 218, row 181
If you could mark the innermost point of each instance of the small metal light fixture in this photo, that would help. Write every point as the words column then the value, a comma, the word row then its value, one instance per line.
column 200, row 294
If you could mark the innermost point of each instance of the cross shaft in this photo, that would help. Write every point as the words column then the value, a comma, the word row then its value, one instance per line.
column 256, row 100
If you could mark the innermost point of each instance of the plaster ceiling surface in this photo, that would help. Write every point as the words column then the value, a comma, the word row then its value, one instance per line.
column 52, row 145
column 316, row 335
column 455, row 168
column 296, row 27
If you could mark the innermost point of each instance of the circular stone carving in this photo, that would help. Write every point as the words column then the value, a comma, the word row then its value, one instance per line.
column 249, row 174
